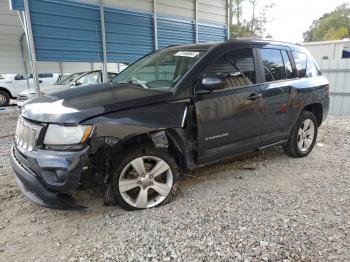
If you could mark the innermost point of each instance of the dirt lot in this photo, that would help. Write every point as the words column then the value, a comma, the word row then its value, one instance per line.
column 264, row 207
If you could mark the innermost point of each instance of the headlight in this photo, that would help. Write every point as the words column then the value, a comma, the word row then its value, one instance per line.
column 67, row 135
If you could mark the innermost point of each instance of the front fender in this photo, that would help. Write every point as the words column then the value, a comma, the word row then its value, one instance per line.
column 128, row 123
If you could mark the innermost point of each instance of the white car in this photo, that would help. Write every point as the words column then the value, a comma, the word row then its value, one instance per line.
column 64, row 82
column 12, row 84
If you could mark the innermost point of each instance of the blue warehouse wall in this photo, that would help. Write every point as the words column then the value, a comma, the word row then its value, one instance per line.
column 129, row 35
column 175, row 31
column 69, row 31
column 211, row 32
column 66, row 31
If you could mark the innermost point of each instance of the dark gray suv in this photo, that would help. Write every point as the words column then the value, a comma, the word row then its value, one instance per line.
column 173, row 110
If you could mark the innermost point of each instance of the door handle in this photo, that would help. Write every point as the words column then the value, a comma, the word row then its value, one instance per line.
column 254, row 96
column 40, row 81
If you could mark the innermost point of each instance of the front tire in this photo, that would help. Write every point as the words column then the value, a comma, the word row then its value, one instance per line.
column 4, row 98
column 303, row 136
column 145, row 179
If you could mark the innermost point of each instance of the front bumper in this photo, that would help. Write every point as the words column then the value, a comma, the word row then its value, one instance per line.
column 36, row 176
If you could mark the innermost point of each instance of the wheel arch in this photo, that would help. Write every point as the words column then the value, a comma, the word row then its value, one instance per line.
column 171, row 139
column 7, row 91
column 317, row 110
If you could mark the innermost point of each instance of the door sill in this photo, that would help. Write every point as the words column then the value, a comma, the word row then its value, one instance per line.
column 279, row 143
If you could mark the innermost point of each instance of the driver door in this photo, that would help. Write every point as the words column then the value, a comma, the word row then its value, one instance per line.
column 230, row 120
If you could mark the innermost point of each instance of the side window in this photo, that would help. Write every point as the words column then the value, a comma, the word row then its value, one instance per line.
column 89, row 79
column 111, row 75
column 237, row 67
column 300, row 62
column 287, row 64
column 45, row 75
column 23, row 76
column 273, row 64
column 312, row 68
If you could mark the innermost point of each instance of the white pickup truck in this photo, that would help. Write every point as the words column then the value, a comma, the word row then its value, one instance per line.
column 12, row 84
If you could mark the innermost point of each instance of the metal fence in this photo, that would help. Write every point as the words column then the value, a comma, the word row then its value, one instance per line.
column 338, row 73
column 337, row 69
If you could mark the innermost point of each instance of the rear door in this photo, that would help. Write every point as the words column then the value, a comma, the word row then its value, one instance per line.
column 46, row 79
column 278, row 79
column 230, row 120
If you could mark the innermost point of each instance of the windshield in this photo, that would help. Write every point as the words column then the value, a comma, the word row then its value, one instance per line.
column 64, row 80
column 160, row 70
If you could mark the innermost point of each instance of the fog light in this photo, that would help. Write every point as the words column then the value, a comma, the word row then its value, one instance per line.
column 60, row 176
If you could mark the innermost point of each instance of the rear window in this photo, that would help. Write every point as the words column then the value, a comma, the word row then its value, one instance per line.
column 312, row 69
column 300, row 63
column 305, row 65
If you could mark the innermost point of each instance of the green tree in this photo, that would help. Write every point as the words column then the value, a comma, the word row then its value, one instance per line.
column 331, row 26
column 253, row 27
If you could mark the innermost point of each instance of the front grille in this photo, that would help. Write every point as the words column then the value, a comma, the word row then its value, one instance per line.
column 27, row 134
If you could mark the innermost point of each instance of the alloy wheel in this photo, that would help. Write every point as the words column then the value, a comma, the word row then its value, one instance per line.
column 306, row 135
column 3, row 99
column 146, row 182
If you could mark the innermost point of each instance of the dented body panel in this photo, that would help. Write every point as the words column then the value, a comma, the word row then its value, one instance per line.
column 127, row 123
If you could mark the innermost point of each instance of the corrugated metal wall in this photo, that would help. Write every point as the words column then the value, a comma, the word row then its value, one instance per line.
column 338, row 73
column 209, row 10
column 129, row 35
column 329, row 57
column 66, row 30
column 175, row 31
column 327, row 50
column 211, row 33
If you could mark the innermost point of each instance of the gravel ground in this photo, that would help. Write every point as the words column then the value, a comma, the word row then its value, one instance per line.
column 263, row 207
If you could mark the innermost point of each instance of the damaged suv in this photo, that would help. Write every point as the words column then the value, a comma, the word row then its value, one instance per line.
column 173, row 110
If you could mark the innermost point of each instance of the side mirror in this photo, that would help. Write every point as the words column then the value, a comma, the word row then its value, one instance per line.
column 19, row 77
column 213, row 83
column 77, row 83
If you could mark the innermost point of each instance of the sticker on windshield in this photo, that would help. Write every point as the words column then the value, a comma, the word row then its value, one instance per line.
column 187, row 54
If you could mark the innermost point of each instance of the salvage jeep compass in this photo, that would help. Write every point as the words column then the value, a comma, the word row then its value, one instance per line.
column 173, row 110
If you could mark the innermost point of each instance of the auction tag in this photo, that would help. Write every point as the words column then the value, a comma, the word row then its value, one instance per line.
column 187, row 53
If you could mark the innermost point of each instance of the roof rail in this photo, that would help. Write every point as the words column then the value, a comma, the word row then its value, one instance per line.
column 261, row 39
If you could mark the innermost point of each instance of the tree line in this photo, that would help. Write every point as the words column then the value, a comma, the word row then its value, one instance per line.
column 331, row 26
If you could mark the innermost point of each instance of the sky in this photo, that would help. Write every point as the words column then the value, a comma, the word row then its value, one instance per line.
column 291, row 18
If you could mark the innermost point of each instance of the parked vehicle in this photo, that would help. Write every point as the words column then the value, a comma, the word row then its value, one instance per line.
column 64, row 82
column 173, row 110
column 13, row 84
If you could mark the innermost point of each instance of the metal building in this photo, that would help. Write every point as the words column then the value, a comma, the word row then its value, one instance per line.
column 333, row 58
column 70, row 34
column 11, row 31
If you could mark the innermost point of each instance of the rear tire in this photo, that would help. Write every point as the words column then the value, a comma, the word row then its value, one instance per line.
column 303, row 136
column 4, row 98
column 145, row 178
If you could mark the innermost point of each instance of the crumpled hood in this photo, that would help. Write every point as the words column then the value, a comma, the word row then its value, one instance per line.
column 77, row 104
